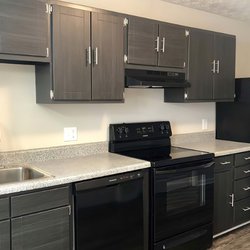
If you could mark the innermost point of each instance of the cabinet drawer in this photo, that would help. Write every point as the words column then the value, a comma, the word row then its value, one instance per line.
column 39, row 201
column 242, row 211
column 4, row 208
column 242, row 188
column 242, row 171
column 223, row 163
column 242, row 159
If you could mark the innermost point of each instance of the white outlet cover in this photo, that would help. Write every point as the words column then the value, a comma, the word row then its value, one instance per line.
column 70, row 134
column 204, row 123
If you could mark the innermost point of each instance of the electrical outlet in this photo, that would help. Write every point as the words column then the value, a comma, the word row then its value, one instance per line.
column 70, row 134
column 204, row 123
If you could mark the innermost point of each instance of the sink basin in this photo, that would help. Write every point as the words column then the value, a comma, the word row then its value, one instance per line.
column 18, row 174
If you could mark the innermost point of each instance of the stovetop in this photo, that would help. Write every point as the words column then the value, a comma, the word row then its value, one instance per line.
column 150, row 141
column 164, row 156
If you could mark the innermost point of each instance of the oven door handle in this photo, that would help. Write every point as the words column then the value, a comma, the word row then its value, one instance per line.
column 181, row 170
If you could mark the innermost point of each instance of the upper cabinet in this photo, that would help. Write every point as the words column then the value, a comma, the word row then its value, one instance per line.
column 224, row 75
column 211, row 70
column 152, row 43
column 82, row 54
column 87, row 58
column 24, row 30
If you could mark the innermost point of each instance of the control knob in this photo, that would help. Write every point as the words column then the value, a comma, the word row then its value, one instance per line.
column 126, row 130
column 119, row 130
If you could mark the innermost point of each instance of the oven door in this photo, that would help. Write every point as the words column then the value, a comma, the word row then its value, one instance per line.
column 183, row 198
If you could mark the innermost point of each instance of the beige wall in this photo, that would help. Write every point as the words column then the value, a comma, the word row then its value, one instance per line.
column 25, row 124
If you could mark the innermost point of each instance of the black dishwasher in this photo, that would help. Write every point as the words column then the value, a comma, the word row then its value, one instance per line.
column 111, row 213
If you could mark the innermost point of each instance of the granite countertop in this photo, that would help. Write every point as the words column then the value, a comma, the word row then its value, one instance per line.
column 218, row 147
column 76, row 169
column 88, row 161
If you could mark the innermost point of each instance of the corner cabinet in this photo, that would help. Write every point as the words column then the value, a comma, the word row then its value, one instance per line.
column 152, row 43
column 87, row 59
column 211, row 69
column 24, row 30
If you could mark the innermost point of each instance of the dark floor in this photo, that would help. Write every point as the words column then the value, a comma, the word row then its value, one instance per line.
column 235, row 240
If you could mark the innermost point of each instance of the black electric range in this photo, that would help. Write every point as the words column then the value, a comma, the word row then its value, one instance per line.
column 181, row 190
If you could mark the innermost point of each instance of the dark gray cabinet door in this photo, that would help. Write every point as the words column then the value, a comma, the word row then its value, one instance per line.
column 223, row 210
column 108, row 64
column 24, row 27
column 142, row 41
column 4, row 208
column 5, row 235
column 71, row 42
column 200, row 73
column 44, row 231
column 224, row 78
column 173, row 46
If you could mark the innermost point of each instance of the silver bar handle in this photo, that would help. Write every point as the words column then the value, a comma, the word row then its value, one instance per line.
column 157, row 44
column 232, row 200
column 96, row 56
column 247, row 158
column 246, row 189
column 246, row 171
column 213, row 68
column 218, row 67
column 163, row 44
column 225, row 163
column 89, row 57
column 246, row 209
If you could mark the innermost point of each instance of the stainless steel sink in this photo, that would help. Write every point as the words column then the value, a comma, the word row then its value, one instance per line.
column 18, row 174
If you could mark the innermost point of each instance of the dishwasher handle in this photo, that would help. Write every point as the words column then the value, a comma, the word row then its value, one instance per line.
column 107, row 181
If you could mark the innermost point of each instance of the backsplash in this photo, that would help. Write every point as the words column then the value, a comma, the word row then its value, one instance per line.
column 64, row 152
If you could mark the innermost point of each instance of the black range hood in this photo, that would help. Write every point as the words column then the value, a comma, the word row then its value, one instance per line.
column 143, row 78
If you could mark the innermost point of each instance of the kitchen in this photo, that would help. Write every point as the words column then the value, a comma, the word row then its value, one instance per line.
column 27, row 125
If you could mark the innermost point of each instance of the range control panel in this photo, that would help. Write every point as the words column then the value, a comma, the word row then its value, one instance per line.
column 139, row 131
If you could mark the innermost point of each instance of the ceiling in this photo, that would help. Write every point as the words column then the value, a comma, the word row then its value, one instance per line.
column 237, row 9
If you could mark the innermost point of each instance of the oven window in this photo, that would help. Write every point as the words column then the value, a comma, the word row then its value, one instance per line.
column 185, row 193
column 182, row 201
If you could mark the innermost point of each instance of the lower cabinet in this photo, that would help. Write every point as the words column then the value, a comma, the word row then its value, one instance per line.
column 37, row 220
column 223, row 207
column 231, row 191
column 44, row 231
column 5, row 235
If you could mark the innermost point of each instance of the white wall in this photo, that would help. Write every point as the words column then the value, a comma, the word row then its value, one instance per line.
column 25, row 124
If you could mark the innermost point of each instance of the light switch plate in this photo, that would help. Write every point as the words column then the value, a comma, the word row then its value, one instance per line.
column 70, row 134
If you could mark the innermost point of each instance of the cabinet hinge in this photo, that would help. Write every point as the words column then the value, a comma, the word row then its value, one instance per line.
column 125, row 58
column 51, row 93
column 125, row 22
column 47, row 52
column 49, row 8
column 185, row 95
column 70, row 210
column 186, row 33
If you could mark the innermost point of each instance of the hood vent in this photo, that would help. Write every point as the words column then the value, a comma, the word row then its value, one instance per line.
column 140, row 78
